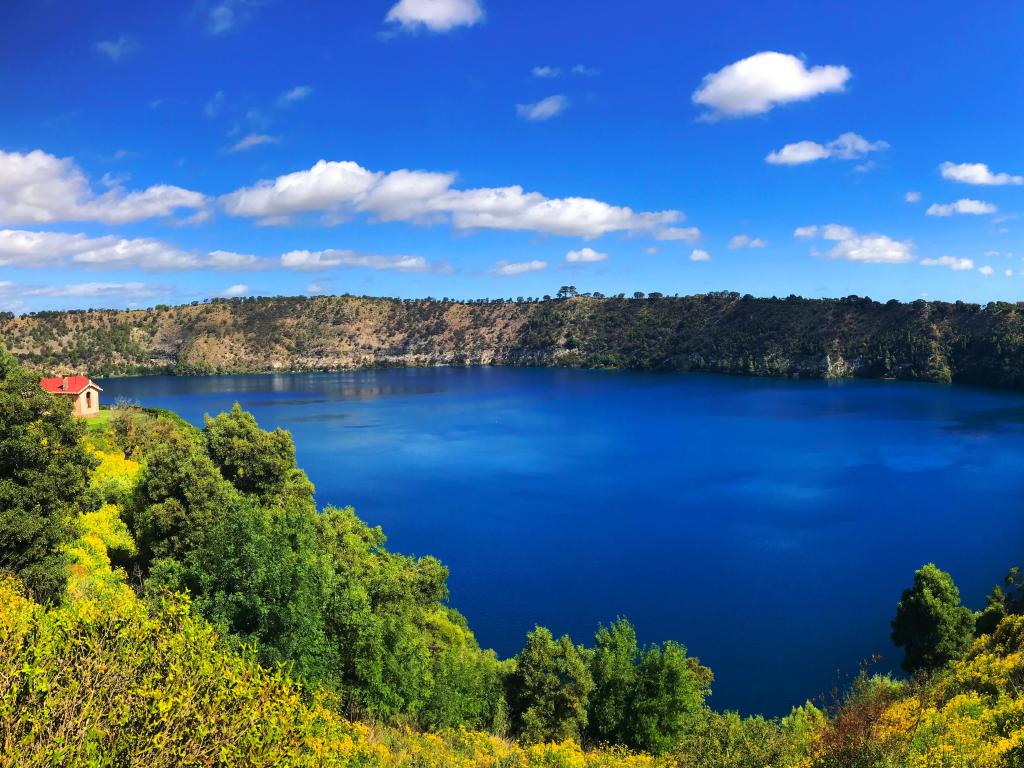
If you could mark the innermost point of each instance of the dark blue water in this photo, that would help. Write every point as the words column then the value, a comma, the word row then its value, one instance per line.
column 769, row 525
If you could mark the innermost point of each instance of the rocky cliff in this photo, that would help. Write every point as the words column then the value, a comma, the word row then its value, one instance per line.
column 722, row 332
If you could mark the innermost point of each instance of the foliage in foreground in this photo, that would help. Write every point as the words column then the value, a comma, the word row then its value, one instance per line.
column 87, row 685
column 43, row 474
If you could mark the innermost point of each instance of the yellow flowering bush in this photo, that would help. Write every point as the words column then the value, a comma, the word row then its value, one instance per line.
column 115, row 475
column 92, row 577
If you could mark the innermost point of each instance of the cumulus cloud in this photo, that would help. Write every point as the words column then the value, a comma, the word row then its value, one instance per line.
column 849, row 146
column 964, row 206
column 38, row 188
column 685, row 234
column 585, row 255
column 252, row 141
column 28, row 250
column 513, row 268
column 24, row 249
column 333, row 258
column 826, row 232
column 746, row 241
column 298, row 93
column 338, row 189
column 987, row 271
column 952, row 262
column 118, row 49
column 545, row 72
column 977, row 173
column 758, row 83
column 583, row 69
column 852, row 246
column 544, row 109
column 912, row 197
column 82, row 290
column 700, row 255
column 436, row 15
column 229, row 261
column 238, row 289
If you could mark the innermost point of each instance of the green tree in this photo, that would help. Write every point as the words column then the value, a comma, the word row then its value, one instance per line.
column 668, row 698
column 44, row 472
column 251, row 459
column 549, row 689
column 931, row 624
column 401, row 654
column 1001, row 602
column 179, row 496
column 613, row 667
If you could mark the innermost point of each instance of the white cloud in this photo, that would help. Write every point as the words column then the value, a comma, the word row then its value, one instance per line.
column 827, row 232
column 746, row 241
column 583, row 69
column 545, row 72
column 977, row 173
column 798, row 153
column 954, row 263
column 38, row 188
column 252, row 141
column 238, row 289
column 912, row 197
column 987, row 271
column 298, row 93
column 117, row 49
column 544, row 109
column 228, row 261
column 964, row 205
column 1008, row 273
column 213, row 107
column 224, row 16
column 27, row 250
column 312, row 261
column 436, row 15
column 513, row 268
column 849, row 146
column 338, row 189
column 852, row 246
column 756, row 84
column 650, row 250
column 700, row 255
column 24, row 249
column 686, row 234
column 585, row 255
column 82, row 290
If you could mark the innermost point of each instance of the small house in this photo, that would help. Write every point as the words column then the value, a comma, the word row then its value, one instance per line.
column 83, row 390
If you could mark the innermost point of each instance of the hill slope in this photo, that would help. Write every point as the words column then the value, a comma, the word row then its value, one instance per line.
column 724, row 332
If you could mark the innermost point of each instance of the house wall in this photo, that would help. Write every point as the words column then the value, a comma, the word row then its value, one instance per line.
column 87, row 404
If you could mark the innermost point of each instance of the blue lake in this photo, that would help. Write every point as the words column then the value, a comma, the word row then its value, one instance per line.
column 769, row 525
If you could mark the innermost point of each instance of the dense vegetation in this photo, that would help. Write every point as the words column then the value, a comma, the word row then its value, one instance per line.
column 723, row 332
column 172, row 596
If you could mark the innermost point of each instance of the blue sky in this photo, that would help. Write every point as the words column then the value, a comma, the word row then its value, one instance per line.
column 164, row 153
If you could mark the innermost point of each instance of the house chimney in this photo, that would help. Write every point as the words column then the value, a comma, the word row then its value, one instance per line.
column 64, row 385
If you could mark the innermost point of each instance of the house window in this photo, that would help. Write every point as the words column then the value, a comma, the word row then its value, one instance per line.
column 88, row 399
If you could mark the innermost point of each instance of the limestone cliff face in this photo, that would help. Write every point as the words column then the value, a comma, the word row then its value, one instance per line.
column 723, row 332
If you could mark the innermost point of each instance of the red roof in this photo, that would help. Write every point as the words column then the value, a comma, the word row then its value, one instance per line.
column 67, row 385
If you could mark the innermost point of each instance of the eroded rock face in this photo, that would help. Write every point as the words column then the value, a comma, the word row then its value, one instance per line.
column 723, row 332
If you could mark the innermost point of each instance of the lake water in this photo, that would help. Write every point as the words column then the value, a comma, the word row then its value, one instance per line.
column 769, row 525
